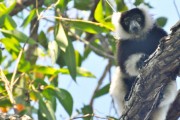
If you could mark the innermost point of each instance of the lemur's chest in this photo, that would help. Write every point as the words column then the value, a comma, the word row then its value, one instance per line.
column 127, row 48
column 130, row 54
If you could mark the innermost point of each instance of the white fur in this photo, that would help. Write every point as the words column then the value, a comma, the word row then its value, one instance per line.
column 120, row 33
column 118, row 90
column 169, row 96
column 160, row 113
column 130, row 64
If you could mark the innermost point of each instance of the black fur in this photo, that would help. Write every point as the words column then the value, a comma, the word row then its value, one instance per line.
column 138, row 38
column 130, row 15
column 146, row 45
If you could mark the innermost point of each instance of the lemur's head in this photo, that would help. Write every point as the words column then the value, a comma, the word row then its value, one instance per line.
column 132, row 23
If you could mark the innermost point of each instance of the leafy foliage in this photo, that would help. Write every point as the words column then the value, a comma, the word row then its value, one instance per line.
column 161, row 21
column 37, row 81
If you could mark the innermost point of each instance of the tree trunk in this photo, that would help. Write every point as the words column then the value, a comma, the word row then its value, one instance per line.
column 162, row 66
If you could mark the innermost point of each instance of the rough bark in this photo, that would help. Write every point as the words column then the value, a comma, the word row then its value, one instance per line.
column 21, row 4
column 162, row 66
column 174, row 111
column 89, row 36
column 31, row 48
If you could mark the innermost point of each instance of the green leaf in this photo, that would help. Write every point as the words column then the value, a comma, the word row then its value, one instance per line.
column 161, row 21
column 61, row 38
column 49, row 2
column 42, row 39
column 2, row 19
column 60, row 60
column 121, row 6
column 78, row 58
column 62, row 95
column 65, row 99
column 98, row 14
column 1, row 58
column 24, row 66
column 84, row 73
column 88, row 26
column 18, row 35
column 83, row 4
column 9, row 23
column 54, row 81
column 112, row 42
column 5, row 102
column 11, row 44
column 108, row 10
column 46, row 70
column 102, row 91
column 29, row 18
column 62, row 4
column 49, row 70
column 37, row 83
column 148, row 5
column 48, row 93
column 96, row 43
column 86, row 53
column 53, row 71
column 53, row 51
column 4, row 10
column 69, row 58
column 87, row 110
column 46, row 109
column 54, row 103
column 138, row 2
column 41, row 116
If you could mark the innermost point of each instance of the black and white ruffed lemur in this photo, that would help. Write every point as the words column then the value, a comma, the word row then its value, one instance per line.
column 138, row 37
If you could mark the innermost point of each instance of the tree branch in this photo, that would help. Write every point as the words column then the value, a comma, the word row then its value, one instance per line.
column 108, row 67
column 89, row 36
column 162, row 66
column 21, row 4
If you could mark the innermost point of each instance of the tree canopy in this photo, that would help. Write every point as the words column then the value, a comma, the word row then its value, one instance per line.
column 37, row 47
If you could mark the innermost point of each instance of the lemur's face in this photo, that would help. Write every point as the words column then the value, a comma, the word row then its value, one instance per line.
column 133, row 21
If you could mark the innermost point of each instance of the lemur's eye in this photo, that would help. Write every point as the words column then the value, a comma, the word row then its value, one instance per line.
column 126, row 22
column 138, row 19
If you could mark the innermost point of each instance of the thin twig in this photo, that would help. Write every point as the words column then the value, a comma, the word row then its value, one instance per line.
column 48, row 8
column 100, row 82
column 111, row 6
column 113, row 107
column 92, row 47
column 81, row 39
column 7, row 87
column 15, row 69
column 15, row 81
column 3, row 97
column 176, row 9
column 90, row 115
